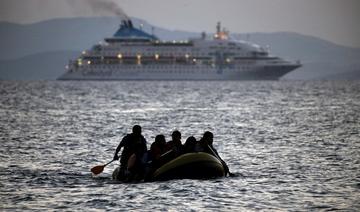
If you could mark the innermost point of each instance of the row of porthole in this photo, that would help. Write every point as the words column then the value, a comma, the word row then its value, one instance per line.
column 160, row 55
column 109, row 72
column 147, row 67
column 158, row 67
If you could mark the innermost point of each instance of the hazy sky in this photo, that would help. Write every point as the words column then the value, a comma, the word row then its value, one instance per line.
column 334, row 20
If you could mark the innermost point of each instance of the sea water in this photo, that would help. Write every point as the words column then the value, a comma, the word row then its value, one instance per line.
column 293, row 145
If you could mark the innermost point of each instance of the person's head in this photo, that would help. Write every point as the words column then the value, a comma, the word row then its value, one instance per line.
column 160, row 140
column 176, row 135
column 190, row 140
column 136, row 130
column 208, row 137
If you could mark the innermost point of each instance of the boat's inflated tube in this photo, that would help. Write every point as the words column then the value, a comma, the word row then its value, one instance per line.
column 198, row 165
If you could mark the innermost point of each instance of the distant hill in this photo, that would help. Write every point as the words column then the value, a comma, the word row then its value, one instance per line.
column 42, row 66
column 349, row 75
column 41, row 50
column 55, row 35
column 320, row 58
column 68, row 34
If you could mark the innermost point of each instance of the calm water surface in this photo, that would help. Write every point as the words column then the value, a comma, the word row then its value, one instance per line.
column 294, row 145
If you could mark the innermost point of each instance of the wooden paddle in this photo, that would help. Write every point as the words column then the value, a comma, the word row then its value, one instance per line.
column 98, row 169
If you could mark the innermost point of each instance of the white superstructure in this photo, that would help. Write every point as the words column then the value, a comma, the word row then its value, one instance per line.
column 132, row 54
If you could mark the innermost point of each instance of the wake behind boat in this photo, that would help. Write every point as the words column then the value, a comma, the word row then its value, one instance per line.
column 133, row 54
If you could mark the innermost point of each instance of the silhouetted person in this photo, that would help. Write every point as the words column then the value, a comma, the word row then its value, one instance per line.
column 158, row 147
column 175, row 144
column 206, row 145
column 190, row 144
column 134, row 147
column 154, row 160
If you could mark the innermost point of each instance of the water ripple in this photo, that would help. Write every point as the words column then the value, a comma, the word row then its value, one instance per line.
column 293, row 145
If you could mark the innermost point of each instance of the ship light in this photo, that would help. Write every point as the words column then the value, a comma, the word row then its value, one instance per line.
column 79, row 61
column 194, row 60
column 228, row 60
column 157, row 56
column 187, row 56
column 88, row 62
column 138, row 56
column 83, row 52
column 119, row 56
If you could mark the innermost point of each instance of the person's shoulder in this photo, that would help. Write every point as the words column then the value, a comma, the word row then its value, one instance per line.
column 126, row 137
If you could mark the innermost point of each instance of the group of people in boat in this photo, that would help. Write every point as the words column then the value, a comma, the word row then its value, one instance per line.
column 137, row 162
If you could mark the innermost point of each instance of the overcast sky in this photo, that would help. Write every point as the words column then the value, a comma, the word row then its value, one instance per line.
column 334, row 20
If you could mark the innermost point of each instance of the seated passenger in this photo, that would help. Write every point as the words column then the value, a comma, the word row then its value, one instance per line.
column 175, row 144
column 203, row 144
column 206, row 145
column 157, row 148
column 190, row 144
column 154, row 160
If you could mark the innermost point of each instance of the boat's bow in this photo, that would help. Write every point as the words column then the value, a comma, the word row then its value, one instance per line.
column 198, row 165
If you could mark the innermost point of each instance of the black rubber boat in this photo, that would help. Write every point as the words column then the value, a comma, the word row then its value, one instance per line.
column 198, row 165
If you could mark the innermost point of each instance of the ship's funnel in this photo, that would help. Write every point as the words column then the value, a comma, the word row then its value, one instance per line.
column 124, row 24
column 130, row 24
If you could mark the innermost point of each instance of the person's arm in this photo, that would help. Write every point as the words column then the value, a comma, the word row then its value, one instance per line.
column 216, row 154
column 144, row 144
column 116, row 157
column 121, row 144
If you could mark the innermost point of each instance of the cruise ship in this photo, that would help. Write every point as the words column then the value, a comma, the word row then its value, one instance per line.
column 133, row 54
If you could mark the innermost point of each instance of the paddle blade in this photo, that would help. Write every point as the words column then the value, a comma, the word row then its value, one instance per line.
column 97, row 169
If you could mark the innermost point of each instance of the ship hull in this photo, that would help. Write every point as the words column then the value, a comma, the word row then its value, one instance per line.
column 169, row 73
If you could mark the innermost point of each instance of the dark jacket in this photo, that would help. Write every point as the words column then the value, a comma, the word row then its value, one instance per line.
column 132, row 144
